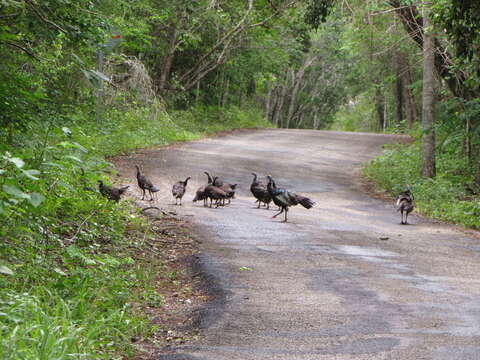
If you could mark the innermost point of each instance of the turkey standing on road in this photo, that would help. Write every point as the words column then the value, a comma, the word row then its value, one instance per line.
column 229, row 190
column 405, row 204
column 201, row 194
column 259, row 190
column 215, row 193
column 145, row 184
column 178, row 189
column 113, row 193
column 284, row 198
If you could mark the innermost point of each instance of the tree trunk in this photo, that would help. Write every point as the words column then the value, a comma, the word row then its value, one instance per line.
column 315, row 118
column 167, row 63
column 399, row 85
column 297, row 81
column 278, row 110
column 414, row 26
column 408, row 98
column 379, row 107
column 268, row 101
column 273, row 106
column 225, row 92
column 428, row 106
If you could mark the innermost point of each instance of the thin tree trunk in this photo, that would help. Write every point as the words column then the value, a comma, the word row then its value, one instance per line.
column 197, row 93
column 167, row 63
column 428, row 117
column 274, row 103
column 315, row 118
column 379, row 107
column 297, row 81
column 385, row 113
column 278, row 111
column 225, row 92
column 408, row 97
column 399, row 85
column 268, row 100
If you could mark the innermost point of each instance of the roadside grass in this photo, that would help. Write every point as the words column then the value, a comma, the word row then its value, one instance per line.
column 71, row 264
column 450, row 196
column 122, row 131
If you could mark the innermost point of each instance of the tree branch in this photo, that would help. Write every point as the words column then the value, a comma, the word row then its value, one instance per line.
column 25, row 50
column 43, row 18
column 226, row 37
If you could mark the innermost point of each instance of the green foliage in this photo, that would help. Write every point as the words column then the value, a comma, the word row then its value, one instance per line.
column 460, row 20
column 67, row 277
column 356, row 116
column 211, row 119
column 317, row 12
column 446, row 197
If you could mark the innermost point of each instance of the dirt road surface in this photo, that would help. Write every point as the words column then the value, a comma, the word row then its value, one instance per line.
column 341, row 281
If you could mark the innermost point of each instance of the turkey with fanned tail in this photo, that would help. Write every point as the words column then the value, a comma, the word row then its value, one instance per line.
column 284, row 198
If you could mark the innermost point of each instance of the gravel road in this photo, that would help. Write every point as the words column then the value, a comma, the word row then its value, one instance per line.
column 341, row 281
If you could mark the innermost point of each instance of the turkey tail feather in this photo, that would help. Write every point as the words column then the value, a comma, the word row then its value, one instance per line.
column 306, row 203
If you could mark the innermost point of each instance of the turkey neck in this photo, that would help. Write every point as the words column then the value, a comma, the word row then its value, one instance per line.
column 209, row 177
column 271, row 185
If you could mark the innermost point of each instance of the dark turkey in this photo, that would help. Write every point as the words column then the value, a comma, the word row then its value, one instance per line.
column 145, row 184
column 201, row 194
column 284, row 198
column 260, row 192
column 216, row 181
column 229, row 190
column 405, row 204
column 215, row 193
column 178, row 190
column 111, row 192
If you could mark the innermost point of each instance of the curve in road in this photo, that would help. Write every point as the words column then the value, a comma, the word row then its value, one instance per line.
column 325, row 285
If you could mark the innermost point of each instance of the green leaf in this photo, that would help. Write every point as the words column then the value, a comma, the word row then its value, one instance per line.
column 2, row 171
column 74, row 158
column 31, row 173
column 17, row 162
column 245, row 268
column 15, row 191
column 36, row 199
column 89, row 261
column 53, row 164
column 80, row 147
column 74, row 252
column 5, row 270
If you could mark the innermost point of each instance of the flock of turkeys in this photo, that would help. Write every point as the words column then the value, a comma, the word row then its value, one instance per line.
column 221, row 193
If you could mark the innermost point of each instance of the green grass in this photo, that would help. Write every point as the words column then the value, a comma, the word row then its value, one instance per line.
column 69, row 276
column 140, row 128
column 446, row 197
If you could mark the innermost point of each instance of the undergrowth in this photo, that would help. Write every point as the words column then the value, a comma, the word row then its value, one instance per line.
column 68, row 274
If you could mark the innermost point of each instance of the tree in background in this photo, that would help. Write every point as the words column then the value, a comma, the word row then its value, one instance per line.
column 428, row 98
